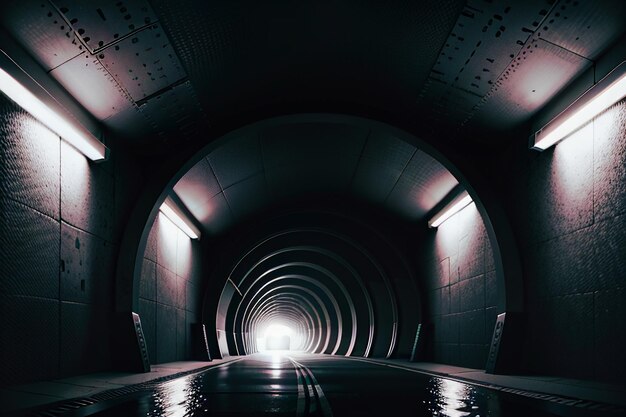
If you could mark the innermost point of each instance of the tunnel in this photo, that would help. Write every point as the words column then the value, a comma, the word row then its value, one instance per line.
column 312, row 208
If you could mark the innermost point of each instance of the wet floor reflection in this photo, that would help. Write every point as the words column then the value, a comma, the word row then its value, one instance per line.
column 267, row 384
column 452, row 398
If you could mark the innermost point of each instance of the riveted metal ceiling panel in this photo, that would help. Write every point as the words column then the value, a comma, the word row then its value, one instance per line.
column 585, row 28
column 143, row 63
column 423, row 184
column 540, row 71
column 100, row 23
column 484, row 40
column 92, row 85
column 247, row 196
column 42, row 30
column 381, row 164
column 237, row 160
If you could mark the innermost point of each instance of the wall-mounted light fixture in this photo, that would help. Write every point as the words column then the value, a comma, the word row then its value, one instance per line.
column 176, row 215
column 457, row 204
column 594, row 101
column 27, row 98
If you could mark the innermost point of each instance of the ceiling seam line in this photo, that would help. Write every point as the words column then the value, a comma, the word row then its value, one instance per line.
column 400, row 176
column 565, row 49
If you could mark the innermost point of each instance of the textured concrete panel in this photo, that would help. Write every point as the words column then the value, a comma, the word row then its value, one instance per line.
column 193, row 297
column 85, row 339
column 181, row 292
column 490, row 262
column 152, row 241
column 473, row 356
column 609, row 157
column 434, row 301
column 87, row 194
column 167, row 243
column 573, row 323
column 472, row 327
column 559, row 190
column 165, row 334
column 29, row 160
column 472, row 293
column 29, row 341
column 451, row 326
column 128, row 183
column 455, row 298
column 87, row 267
column 147, row 313
column 610, row 335
column 472, row 243
column 147, row 283
column 181, row 334
column 166, row 286
column 29, row 259
column 184, row 255
column 609, row 249
column 443, row 272
column 445, row 300
column 564, row 265
column 447, row 238
column 491, row 289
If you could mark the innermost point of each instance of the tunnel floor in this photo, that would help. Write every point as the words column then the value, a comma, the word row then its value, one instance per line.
column 288, row 384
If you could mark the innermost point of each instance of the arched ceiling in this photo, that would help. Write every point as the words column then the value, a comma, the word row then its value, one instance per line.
column 285, row 160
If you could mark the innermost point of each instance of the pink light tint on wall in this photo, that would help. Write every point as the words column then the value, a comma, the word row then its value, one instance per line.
column 73, row 133
column 603, row 95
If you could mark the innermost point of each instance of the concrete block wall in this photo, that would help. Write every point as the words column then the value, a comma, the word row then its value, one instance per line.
column 568, row 209
column 61, row 218
column 458, row 280
column 170, row 291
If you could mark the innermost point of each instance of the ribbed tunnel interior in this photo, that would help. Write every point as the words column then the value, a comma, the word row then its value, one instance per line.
column 187, row 181
column 319, row 225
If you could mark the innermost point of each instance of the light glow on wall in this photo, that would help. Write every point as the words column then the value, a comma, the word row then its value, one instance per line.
column 73, row 133
column 600, row 97
column 456, row 205
column 183, row 224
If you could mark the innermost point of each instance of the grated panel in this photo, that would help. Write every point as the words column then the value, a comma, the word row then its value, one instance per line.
column 41, row 30
column 92, row 85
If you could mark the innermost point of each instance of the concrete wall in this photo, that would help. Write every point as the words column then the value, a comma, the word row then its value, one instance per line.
column 458, row 279
column 568, row 209
column 61, row 218
column 170, row 291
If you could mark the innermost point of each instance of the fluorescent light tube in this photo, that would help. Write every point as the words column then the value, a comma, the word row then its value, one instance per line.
column 73, row 133
column 456, row 205
column 600, row 97
column 179, row 220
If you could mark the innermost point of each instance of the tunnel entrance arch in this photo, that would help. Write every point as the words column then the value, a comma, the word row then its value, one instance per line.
column 508, row 276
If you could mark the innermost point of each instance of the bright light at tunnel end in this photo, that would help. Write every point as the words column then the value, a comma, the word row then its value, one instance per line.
column 456, row 205
column 600, row 97
column 277, row 337
column 74, row 134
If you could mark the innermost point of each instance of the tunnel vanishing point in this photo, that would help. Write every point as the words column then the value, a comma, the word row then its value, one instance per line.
column 432, row 182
